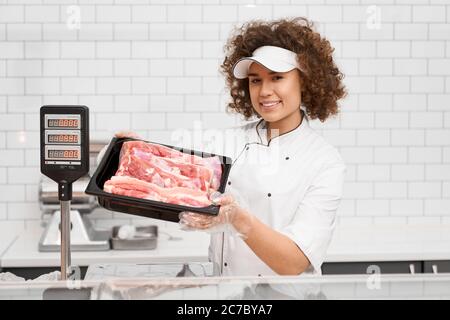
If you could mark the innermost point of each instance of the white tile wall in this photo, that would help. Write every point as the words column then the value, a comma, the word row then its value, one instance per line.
column 152, row 66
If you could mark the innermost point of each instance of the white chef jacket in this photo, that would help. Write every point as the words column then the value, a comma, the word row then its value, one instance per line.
column 292, row 184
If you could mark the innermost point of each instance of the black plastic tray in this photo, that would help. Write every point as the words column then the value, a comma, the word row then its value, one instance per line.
column 142, row 207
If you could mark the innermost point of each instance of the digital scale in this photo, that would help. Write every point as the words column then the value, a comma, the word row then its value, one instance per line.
column 64, row 159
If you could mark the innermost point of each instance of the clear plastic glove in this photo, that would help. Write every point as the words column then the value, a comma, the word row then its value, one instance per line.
column 231, row 218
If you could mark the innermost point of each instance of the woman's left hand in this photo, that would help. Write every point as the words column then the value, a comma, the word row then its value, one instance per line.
column 230, row 215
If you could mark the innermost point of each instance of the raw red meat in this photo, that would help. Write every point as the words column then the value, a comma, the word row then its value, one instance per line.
column 133, row 187
column 165, row 174
column 194, row 166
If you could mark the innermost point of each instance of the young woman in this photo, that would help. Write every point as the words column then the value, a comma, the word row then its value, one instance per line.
column 286, row 183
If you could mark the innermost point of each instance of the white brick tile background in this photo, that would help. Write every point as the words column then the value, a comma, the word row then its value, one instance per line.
column 153, row 66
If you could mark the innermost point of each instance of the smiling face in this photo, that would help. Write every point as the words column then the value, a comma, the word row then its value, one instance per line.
column 276, row 96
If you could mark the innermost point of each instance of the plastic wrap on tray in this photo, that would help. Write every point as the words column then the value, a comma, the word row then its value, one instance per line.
column 154, row 172
column 147, row 188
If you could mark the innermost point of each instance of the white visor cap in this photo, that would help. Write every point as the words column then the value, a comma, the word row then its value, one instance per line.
column 273, row 58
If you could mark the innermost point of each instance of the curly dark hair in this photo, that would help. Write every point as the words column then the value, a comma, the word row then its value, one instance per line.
column 322, row 83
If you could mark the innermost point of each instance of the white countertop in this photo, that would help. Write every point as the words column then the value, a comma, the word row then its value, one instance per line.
column 349, row 244
column 192, row 248
column 6, row 239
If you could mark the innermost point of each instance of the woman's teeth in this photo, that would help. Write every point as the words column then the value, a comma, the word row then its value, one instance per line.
column 270, row 104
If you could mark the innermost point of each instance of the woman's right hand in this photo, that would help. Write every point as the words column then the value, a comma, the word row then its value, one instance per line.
column 127, row 134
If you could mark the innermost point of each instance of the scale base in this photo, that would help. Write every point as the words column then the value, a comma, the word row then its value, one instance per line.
column 83, row 237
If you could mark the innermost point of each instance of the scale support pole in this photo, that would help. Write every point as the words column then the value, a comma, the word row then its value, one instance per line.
column 65, row 240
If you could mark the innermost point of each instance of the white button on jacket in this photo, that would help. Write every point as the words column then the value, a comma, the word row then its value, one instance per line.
column 293, row 184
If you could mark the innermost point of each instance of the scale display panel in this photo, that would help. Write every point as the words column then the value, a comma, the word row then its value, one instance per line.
column 63, row 121
column 67, row 154
column 64, row 142
column 63, row 137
